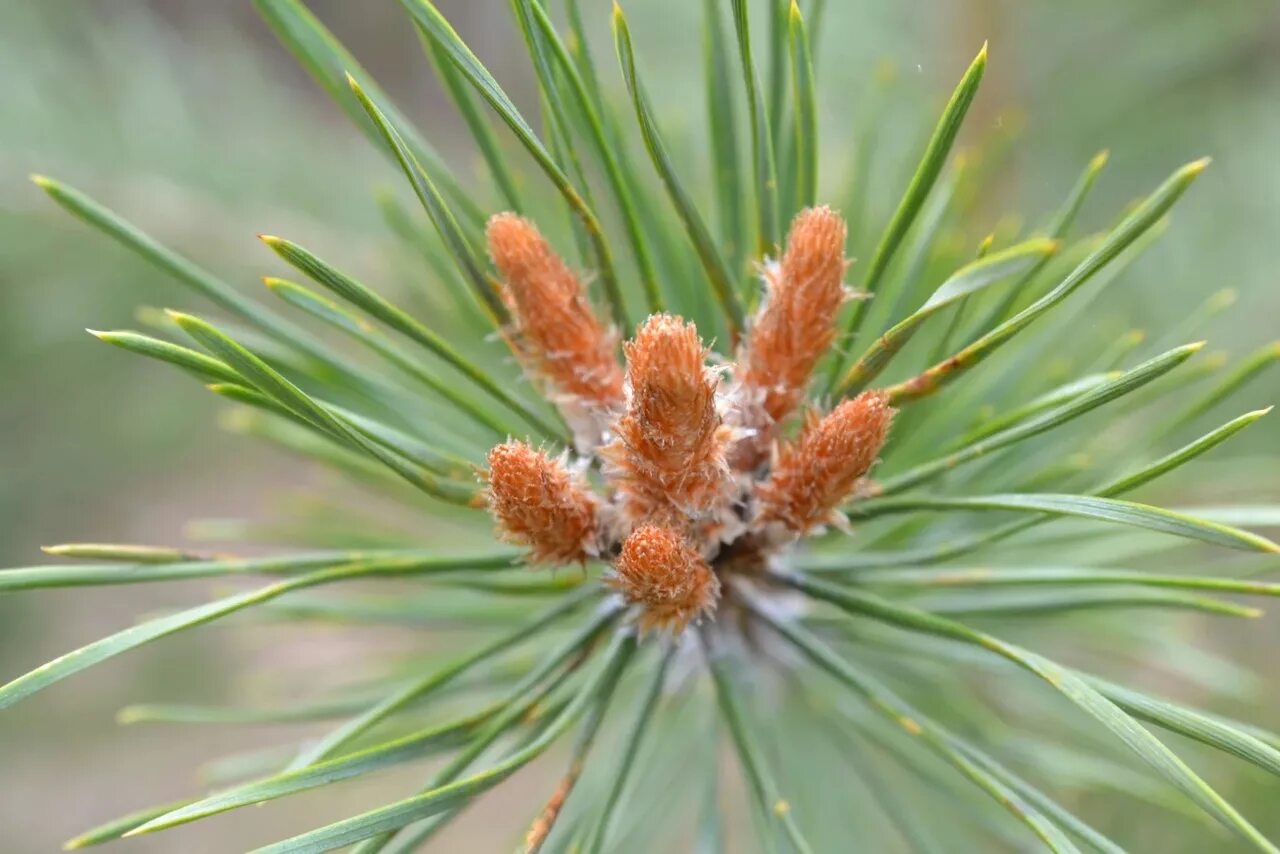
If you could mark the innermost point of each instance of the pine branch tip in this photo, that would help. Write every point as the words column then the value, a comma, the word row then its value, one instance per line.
column 128, row 715
column 184, row 320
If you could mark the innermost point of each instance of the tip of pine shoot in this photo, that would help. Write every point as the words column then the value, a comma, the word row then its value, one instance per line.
column 618, row 17
column 42, row 181
column 75, row 549
column 271, row 240
column 184, row 320
column 1099, row 160
column 129, row 715
column 148, row 314
column 1194, row 168
column 794, row 12
column 351, row 81
column 1135, row 336
column 1196, row 346
column 1224, row 298
column 98, row 333
column 982, row 54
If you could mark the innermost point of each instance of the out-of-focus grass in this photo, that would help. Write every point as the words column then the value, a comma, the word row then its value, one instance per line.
column 187, row 118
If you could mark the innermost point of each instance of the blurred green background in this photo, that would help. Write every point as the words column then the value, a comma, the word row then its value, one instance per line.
column 188, row 118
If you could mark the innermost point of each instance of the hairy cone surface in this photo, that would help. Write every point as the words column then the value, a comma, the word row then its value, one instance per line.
column 669, row 455
column 563, row 341
column 537, row 502
column 819, row 471
column 796, row 325
column 660, row 571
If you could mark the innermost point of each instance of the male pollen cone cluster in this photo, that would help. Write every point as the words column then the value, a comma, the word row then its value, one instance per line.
column 693, row 465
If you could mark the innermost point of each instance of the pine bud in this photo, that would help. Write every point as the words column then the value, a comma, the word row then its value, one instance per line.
column 794, row 327
column 818, row 472
column 562, row 341
column 538, row 503
column 668, row 458
column 661, row 572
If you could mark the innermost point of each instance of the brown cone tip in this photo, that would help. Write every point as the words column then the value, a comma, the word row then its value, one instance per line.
column 564, row 341
column 796, row 325
column 663, row 574
column 538, row 503
column 670, row 446
column 819, row 471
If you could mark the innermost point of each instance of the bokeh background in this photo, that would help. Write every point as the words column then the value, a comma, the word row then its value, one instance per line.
column 187, row 117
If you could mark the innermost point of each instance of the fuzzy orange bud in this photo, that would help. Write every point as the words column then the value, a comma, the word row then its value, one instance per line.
column 538, row 503
column 669, row 451
column 661, row 572
column 562, row 340
column 796, row 324
column 821, row 469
